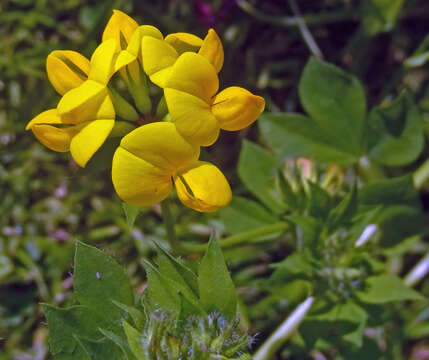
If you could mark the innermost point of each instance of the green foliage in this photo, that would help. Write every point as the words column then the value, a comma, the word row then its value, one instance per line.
column 395, row 132
column 362, row 309
column 179, row 314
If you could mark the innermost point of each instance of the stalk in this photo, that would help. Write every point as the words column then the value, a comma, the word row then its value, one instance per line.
column 283, row 332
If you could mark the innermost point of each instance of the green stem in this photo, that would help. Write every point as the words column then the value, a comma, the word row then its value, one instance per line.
column 245, row 237
column 267, row 350
column 168, row 219
column 421, row 175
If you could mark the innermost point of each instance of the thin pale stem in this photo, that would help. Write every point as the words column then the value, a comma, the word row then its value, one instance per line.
column 284, row 331
column 168, row 219
column 305, row 31
column 418, row 272
column 245, row 237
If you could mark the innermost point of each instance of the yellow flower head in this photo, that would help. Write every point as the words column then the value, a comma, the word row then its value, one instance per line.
column 160, row 55
column 153, row 157
column 66, row 70
column 85, row 114
column 199, row 114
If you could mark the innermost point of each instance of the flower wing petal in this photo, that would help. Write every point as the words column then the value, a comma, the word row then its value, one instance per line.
column 137, row 181
column 89, row 139
column 193, row 74
column 87, row 102
column 66, row 70
column 57, row 139
column 212, row 50
column 236, row 108
column 157, row 55
column 209, row 187
column 119, row 23
column 192, row 117
column 183, row 42
column 103, row 61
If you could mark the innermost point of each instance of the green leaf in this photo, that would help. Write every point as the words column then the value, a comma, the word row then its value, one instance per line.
column 170, row 273
column 190, row 279
column 217, row 291
column 119, row 341
column 98, row 280
column 131, row 212
column 295, row 135
column 310, row 229
column 63, row 323
column 395, row 132
column 160, row 294
column 134, row 341
column 74, row 334
column 401, row 214
column 345, row 210
column 380, row 15
column 319, row 201
column 394, row 191
column 295, row 265
column 257, row 169
column 387, row 288
column 136, row 315
column 346, row 312
column 336, row 101
column 243, row 214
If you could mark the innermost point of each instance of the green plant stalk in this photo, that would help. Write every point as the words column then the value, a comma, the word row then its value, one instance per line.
column 267, row 350
column 421, row 175
column 168, row 219
column 248, row 236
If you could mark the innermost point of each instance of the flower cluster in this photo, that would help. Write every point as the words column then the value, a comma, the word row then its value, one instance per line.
column 161, row 147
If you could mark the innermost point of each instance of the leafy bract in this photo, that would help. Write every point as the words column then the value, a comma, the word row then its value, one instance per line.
column 217, row 291
column 95, row 274
column 395, row 132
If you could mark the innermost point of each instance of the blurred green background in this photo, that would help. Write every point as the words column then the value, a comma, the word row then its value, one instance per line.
column 46, row 203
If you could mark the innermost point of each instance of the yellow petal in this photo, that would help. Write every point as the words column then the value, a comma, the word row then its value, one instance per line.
column 192, row 117
column 161, row 145
column 157, row 55
column 103, row 61
column 119, row 23
column 193, row 74
column 87, row 102
column 136, row 39
column 46, row 117
column 236, row 108
column 209, row 187
column 138, row 182
column 89, row 139
column 57, row 139
column 212, row 50
column 124, row 58
column 183, row 42
column 66, row 70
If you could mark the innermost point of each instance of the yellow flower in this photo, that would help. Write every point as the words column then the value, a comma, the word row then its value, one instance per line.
column 128, row 35
column 199, row 114
column 66, row 70
column 85, row 114
column 160, row 55
column 153, row 157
